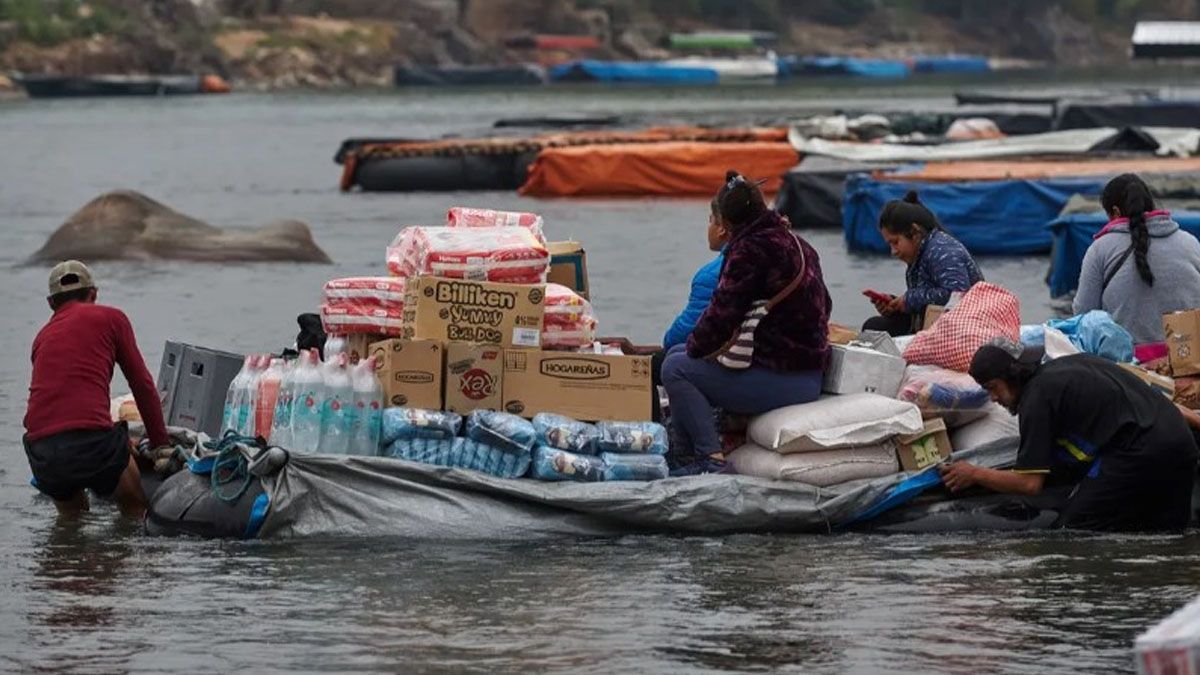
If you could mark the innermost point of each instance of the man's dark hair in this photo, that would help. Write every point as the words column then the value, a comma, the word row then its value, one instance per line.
column 79, row 294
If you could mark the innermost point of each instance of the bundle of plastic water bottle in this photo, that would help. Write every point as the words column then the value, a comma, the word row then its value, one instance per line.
column 504, row 445
column 307, row 405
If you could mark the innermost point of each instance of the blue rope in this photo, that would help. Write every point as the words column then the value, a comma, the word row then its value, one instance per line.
column 230, row 466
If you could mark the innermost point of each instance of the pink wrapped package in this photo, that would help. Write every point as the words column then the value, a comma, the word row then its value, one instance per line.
column 564, row 306
column 502, row 254
column 569, row 321
column 367, row 291
column 349, row 319
column 463, row 216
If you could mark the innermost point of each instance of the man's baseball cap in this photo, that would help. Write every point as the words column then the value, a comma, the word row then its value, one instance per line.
column 996, row 359
column 70, row 275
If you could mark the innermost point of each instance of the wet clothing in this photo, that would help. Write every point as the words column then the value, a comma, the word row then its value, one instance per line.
column 696, row 386
column 73, row 359
column 761, row 259
column 64, row 464
column 1086, row 421
column 943, row 266
column 1174, row 258
column 703, row 285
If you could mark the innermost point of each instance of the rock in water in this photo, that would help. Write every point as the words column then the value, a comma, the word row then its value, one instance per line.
column 128, row 225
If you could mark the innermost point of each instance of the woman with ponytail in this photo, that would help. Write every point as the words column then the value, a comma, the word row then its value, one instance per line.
column 1141, row 265
column 938, row 265
column 740, row 365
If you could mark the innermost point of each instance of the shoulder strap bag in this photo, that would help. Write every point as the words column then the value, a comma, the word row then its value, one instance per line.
column 738, row 353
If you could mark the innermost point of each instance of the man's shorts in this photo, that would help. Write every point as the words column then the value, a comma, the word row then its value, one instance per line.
column 67, row 463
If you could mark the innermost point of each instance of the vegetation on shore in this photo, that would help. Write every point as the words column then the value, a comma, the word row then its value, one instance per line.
column 284, row 43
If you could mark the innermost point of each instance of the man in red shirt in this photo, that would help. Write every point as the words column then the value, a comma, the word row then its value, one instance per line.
column 70, row 439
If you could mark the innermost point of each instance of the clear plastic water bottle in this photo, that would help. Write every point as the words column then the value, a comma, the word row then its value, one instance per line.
column 335, row 413
column 309, row 388
column 368, row 410
column 234, row 396
column 281, row 422
column 267, row 395
column 334, row 346
column 249, row 398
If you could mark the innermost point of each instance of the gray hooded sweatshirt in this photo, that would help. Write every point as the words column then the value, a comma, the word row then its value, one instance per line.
column 1174, row 258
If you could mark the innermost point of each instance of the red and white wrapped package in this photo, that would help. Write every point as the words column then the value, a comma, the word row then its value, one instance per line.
column 387, row 292
column 350, row 319
column 501, row 254
column 564, row 306
column 569, row 322
column 465, row 216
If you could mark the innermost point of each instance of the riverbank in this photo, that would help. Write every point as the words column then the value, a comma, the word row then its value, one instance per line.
column 287, row 44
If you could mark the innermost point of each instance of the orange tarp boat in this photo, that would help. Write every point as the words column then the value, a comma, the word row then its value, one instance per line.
column 953, row 172
column 667, row 168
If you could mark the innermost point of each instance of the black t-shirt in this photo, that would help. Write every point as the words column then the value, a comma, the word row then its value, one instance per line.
column 1081, row 407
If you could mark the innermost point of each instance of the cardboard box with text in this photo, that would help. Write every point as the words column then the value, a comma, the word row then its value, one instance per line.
column 410, row 372
column 457, row 310
column 587, row 387
column 474, row 377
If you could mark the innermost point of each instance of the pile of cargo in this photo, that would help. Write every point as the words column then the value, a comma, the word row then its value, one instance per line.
column 481, row 318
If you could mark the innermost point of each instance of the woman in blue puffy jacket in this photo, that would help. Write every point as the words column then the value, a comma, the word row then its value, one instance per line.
column 703, row 285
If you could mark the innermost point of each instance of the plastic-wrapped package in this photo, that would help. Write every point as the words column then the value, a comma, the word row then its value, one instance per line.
column 559, row 465
column 563, row 433
column 564, row 306
column 409, row 423
column 633, row 467
column 934, row 389
column 464, row 216
column 364, row 291
column 501, row 429
column 462, row 453
column 502, row 254
column 346, row 319
column 632, row 438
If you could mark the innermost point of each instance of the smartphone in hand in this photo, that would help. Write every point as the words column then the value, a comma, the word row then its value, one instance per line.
column 877, row 297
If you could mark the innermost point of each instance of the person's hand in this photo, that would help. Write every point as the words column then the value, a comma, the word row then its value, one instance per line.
column 959, row 475
column 894, row 306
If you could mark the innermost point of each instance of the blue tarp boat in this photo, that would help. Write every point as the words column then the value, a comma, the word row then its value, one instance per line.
column 991, row 217
column 1072, row 236
column 954, row 63
column 795, row 66
column 644, row 72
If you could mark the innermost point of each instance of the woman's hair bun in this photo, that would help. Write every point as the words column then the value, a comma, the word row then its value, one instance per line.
column 730, row 175
column 911, row 197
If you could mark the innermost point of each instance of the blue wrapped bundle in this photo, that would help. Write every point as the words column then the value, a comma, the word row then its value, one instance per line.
column 563, row 433
column 501, row 430
column 412, row 423
column 462, row 453
column 632, row 438
column 556, row 465
column 633, row 467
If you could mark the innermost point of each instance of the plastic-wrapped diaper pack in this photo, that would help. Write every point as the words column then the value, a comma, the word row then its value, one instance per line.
column 634, row 467
column 632, row 438
column 363, row 305
column 552, row 464
column 563, row 433
column 462, row 453
column 415, row 423
column 569, row 321
column 350, row 319
column 501, row 254
column 463, row 216
column 501, row 430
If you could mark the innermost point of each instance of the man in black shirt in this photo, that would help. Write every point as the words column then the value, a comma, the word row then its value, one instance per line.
column 1086, row 421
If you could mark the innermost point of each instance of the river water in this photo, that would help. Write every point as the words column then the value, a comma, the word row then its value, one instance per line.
column 97, row 596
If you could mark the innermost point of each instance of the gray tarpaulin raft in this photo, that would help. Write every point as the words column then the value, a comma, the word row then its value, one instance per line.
column 332, row 495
